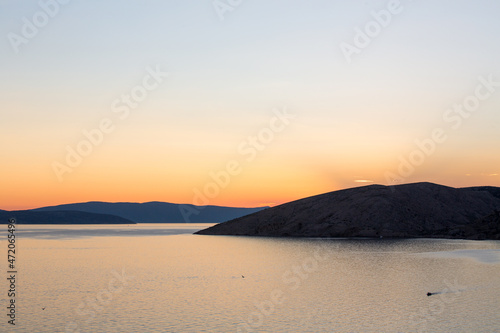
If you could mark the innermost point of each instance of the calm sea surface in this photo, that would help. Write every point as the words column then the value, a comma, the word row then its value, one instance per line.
column 161, row 278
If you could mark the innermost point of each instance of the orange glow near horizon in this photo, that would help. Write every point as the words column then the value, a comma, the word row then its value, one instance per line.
column 121, row 171
column 244, row 192
column 278, row 174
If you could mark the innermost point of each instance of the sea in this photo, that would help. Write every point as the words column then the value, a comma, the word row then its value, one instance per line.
column 163, row 278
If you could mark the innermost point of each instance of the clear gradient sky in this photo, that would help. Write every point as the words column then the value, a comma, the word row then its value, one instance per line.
column 355, row 120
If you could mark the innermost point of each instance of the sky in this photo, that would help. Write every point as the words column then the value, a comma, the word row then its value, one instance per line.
column 244, row 103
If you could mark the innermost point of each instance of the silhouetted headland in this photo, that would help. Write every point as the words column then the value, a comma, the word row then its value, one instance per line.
column 403, row 211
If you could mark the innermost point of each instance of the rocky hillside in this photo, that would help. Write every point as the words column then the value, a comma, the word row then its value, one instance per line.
column 410, row 210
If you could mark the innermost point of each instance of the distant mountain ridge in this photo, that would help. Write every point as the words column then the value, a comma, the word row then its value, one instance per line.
column 409, row 210
column 157, row 212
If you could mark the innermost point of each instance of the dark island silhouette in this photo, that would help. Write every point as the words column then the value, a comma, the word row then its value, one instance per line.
column 403, row 211
column 60, row 217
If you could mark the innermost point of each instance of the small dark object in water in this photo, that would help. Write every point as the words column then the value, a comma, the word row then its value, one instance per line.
column 429, row 294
